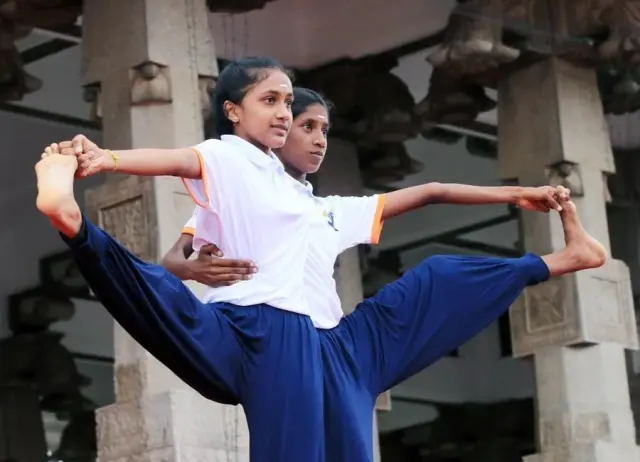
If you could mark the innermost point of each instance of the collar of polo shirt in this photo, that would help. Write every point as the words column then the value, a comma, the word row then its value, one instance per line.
column 255, row 155
column 305, row 187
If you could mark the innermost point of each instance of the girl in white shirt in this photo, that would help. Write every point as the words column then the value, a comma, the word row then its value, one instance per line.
column 262, row 354
column 414, row 321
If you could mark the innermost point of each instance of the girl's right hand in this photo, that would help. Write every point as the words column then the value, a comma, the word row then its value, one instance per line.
column 91, row 159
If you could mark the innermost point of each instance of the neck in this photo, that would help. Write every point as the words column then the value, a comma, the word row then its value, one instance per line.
column 256, row 143
column 296, row 174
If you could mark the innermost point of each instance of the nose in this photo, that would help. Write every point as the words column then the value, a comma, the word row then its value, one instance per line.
column 284, row 113
column 321, row 142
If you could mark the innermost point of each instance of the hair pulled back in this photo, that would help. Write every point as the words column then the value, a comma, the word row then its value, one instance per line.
column 235, row 80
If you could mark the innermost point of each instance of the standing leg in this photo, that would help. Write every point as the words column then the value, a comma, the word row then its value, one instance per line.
column 281, row 386
column 193, row 340
column 348, row 400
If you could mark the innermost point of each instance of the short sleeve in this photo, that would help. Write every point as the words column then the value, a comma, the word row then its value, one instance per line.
column 216, row 163
column 190, row 226
column 358, row 219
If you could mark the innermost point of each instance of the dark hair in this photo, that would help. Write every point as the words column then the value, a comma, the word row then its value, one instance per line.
column 233, row 84
column 305, row 97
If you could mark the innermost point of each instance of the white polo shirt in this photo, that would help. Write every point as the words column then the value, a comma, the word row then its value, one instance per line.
column 249, row 207
column 336, row 224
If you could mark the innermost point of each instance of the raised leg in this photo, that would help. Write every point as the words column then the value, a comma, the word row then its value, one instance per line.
column 196, row 341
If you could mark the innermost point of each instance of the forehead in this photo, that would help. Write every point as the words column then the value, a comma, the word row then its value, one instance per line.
column 275, row 80
column 317, row 112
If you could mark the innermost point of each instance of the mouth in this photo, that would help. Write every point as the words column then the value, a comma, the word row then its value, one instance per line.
column 318, row 154
column 284, row 129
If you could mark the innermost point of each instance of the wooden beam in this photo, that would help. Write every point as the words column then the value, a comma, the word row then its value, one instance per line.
column 49, row 116
column 44, row 50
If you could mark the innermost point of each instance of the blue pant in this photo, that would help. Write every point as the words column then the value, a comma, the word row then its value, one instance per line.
column 277, row 365
column 405, row 327
column 268, row 360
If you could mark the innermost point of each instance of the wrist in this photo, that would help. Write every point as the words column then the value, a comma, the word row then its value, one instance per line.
column 187, row 270
column 110, row 160
column 516, row 194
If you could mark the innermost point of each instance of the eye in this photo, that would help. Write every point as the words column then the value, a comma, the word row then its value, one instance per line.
column 270, row 99
column 288, row 102
column 307, row 126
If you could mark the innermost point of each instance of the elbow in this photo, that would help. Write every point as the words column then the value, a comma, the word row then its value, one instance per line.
column 172, row 259
column 435, row 193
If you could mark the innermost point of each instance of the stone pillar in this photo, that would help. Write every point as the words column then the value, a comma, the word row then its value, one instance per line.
column 340, row 175
column 148, row 65
column 552, row 130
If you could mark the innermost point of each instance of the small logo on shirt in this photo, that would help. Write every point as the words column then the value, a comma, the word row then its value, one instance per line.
column 330, row 219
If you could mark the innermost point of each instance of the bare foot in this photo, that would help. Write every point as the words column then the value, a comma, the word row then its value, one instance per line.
column 582, row 250
column 55, row 199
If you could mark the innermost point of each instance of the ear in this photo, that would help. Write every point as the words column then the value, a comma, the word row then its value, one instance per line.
column 231, row 111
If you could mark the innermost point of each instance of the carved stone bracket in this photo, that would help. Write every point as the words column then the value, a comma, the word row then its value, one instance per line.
column 150, row 84
column 568, row 175
column 474, row 39
column 486, row 38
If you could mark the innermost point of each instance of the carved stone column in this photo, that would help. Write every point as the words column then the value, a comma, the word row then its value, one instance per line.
column 147, row 65
column 340, row 175
column 552, row 129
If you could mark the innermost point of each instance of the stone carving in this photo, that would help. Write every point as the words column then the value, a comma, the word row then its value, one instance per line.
column 386, row 163
column 388, row 109
column 485, row 38
column 34, row 355
column 582, row 309
column 373, row 104
column 17, row 18
column 150, row 84
column 473, row 42
column 123, row 209
column 545, row 305
column 622, row 19
column 452, row 100
column 375, row 109
column 566, row 174
column 127, row 223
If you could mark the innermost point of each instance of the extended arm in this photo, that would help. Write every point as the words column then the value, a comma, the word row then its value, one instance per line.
column 405, row 200
column 183, row 162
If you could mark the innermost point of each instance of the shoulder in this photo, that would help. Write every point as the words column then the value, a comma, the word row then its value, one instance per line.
column 213, row 147
column 218, row 153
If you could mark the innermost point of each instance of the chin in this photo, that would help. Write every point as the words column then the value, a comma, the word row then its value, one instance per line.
column 276, row 142
column 311, row 169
